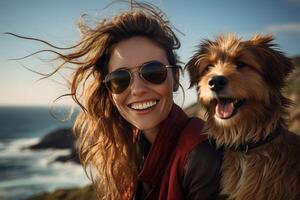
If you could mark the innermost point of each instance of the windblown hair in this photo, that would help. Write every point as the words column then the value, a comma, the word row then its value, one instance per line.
column 106, row 141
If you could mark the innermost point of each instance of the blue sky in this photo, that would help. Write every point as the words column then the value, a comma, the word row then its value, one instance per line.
column 55, row 21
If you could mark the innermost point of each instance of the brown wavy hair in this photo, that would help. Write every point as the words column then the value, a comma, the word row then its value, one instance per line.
column 106, row 141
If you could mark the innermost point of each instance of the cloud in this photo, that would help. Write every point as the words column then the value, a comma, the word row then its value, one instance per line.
column 283, row 28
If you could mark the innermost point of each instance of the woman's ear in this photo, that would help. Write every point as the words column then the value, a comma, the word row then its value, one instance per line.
column 176, row 80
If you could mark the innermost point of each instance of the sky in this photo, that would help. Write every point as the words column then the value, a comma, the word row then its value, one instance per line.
column 56, row 21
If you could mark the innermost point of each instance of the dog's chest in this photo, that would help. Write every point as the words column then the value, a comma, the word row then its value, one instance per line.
column 243, row 173
column 259, row 175
column 234, row 172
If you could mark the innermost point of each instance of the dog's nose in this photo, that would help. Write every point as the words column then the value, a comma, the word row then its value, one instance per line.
column 217, row 83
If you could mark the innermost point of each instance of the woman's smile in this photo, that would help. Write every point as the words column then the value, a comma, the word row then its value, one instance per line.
column 143, row 105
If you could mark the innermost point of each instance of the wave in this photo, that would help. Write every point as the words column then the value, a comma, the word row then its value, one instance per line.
column 27, row 172
column 17, row 148
column 17, row 144
column 55, row 176
column 2, row 147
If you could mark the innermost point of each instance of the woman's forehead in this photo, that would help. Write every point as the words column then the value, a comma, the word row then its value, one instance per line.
column 134, row 52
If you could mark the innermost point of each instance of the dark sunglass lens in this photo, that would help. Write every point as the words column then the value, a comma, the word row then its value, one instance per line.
column 119, row 81
column 154, row 72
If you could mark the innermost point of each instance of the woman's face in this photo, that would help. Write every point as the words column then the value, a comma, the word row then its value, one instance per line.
column 142, row 104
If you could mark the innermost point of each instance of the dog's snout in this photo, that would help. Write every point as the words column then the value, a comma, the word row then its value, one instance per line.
column 217, row 83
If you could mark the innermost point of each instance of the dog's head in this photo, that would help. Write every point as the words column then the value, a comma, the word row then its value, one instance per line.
column 239, row 83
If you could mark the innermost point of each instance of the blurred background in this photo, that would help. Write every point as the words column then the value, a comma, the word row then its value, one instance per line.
column 36, row 149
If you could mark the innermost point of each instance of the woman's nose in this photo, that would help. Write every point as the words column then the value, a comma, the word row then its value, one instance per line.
column 138, row 85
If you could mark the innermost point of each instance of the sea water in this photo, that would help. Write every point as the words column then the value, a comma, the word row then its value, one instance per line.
column 24, row 172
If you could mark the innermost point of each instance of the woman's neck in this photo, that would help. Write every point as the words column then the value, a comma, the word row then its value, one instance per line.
column 151, row 134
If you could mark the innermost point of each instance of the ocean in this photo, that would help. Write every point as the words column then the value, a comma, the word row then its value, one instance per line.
column 24, row 172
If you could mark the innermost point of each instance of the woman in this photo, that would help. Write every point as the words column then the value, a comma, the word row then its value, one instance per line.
column 133, row 139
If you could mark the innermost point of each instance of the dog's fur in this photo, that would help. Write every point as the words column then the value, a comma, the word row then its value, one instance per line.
column 255, row 73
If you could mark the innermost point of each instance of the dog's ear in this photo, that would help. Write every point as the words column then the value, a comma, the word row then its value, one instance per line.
column 197, row 64
column 275, row 65
column 193, row 70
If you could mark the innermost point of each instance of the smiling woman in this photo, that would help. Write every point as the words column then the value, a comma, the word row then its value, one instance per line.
column 147, row 101
column 136, row 142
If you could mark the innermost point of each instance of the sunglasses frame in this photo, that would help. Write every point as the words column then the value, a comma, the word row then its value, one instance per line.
column 137, row 69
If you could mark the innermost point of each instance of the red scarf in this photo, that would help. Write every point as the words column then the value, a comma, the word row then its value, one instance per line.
column 163, row 167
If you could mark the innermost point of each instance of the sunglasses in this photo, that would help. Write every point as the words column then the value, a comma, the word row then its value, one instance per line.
column 153, row 72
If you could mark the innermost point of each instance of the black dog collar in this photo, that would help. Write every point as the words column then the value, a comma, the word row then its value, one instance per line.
column 245, row 147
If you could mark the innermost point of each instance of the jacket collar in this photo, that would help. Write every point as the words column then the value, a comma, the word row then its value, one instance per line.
column 163, row 146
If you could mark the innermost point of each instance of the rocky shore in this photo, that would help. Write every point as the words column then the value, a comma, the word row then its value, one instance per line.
column 85, row 193
column 62, row 139
column 59, row 139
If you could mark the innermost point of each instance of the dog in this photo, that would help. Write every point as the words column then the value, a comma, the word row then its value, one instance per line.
column 239, row 84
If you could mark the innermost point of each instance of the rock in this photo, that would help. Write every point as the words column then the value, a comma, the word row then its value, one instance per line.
column 85, row 193
column 58, row 139
column 72, row 157
column 293, row 92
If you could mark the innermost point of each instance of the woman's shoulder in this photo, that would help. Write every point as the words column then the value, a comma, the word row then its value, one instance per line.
column 195, row 146
column 192, row 134
column 195, row 123
column 201, row 173
column 205, row 153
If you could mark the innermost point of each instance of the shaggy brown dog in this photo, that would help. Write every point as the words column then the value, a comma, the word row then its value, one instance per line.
column 239, row 84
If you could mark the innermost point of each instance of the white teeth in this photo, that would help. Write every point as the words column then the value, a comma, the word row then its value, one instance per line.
column 142, row 106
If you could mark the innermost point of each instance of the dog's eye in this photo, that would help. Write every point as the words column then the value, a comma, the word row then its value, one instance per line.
column 240, row 64
column 207, row 68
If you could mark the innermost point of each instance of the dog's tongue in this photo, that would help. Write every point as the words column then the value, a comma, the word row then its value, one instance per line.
column 224, row 109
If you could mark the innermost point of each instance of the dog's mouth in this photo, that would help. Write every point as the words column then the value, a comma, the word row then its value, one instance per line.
column 226, row 108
